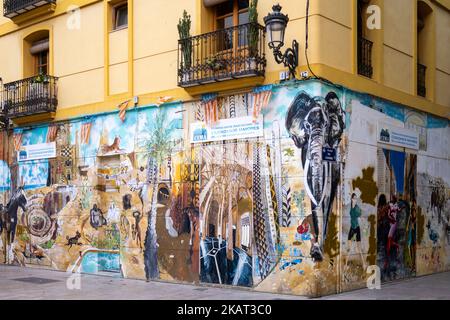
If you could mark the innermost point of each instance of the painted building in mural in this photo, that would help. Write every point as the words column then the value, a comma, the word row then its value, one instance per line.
column 298, row 187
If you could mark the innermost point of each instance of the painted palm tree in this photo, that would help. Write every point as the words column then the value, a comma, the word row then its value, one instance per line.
column 158, row 147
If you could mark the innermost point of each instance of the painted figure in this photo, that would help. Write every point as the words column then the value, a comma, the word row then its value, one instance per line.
column 96, row 219
column 392, row 217
column 382, row 221
column 74, row 241
column 354, row 235
column 137, row 234
column 313, row 124
column 126, row 200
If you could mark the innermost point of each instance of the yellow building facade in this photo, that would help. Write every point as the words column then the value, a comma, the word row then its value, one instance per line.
column 108, row 66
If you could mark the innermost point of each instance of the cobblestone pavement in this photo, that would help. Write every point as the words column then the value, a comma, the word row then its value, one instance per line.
column 35, row 284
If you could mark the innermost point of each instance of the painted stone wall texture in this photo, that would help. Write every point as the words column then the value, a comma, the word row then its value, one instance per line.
column 303, row 209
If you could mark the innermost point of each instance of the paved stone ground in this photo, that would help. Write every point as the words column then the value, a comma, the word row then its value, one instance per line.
column 113, row 288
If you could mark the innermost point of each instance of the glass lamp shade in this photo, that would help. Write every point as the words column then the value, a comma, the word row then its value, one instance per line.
column 276, row 23
column 275, row 32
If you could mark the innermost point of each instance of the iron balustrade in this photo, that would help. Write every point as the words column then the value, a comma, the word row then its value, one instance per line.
column 12, row 8
column 421, row 80
column 365, row 57
column 225, row 54
column 30, row 96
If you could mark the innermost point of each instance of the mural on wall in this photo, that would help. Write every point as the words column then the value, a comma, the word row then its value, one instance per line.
column 302, row 200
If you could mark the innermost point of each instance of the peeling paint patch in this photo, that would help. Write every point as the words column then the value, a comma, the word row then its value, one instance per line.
column 367, row 185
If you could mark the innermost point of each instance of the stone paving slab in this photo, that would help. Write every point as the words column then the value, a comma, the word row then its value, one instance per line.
column 95, row 287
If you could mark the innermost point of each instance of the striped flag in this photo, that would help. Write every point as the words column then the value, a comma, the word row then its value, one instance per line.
column 51, row 133
column 17, row 140
column 86, row 132
column 209, row 103
column 123, row 109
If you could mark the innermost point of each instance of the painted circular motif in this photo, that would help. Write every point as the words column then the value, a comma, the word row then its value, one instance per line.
column 39, row 223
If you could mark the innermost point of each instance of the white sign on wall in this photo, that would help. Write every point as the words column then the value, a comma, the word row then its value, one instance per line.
column 37, row 151
column 397, row 136
column 227, row 129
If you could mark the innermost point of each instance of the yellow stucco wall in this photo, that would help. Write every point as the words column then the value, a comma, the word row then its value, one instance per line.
column 98, row 68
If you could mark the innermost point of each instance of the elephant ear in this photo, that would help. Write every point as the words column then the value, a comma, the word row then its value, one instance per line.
column 335, row 114
column 298, row 109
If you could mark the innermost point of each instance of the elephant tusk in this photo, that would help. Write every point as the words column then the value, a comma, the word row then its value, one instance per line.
column 325, row 174
column 305, row 181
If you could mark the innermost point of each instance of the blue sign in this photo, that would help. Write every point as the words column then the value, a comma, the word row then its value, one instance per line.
column 329, row 154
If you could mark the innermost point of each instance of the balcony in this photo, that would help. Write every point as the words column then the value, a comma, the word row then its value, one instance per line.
column 31, row 99
column 365, row 57
column 421, row 80
column 232, row 53
column 21, row 10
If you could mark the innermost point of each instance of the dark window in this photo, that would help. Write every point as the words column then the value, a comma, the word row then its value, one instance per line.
column 364, row 46
column 229, row 14
column 41, row 63
column 121, row 16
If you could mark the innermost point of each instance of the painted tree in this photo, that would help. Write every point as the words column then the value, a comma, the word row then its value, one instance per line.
column 158, row 147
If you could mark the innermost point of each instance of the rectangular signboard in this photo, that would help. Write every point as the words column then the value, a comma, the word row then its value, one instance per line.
column 37, row 151
column 329, row 154
column 227, row 129
column 398, row 136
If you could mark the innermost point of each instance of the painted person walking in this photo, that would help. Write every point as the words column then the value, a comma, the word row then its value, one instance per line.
column 354, row 234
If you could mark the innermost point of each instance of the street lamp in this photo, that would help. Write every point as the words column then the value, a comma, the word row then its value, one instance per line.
column 276, row 23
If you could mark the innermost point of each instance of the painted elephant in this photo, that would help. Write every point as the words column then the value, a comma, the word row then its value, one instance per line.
column 314, row 123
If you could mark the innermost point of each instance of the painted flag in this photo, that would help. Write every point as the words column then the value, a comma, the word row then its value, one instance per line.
column 260, row 101
column 51, row 133
column 86, row 132
column 17, row 141
column 123, row 110
column 210, row 105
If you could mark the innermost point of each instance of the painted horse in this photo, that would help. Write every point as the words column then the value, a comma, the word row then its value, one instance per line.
column 8, row 218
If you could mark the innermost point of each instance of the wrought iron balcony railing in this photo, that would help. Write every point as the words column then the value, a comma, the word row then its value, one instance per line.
column 30, row 96
column 13, row 8
column 421, row 80
column 365, row 57
column 225, row 54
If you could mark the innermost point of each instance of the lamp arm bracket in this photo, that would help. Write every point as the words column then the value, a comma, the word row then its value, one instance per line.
column 289, row 58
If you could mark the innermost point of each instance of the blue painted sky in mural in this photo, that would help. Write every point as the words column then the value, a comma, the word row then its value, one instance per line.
column 5, row 176
column 434, row 122
column 393, row 110
column 135, row 129
column 174, row 123
column 282, row 97
column 34, row 174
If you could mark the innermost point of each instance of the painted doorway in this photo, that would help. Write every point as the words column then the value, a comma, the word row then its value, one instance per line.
column 396, row 214
column 226, row 214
